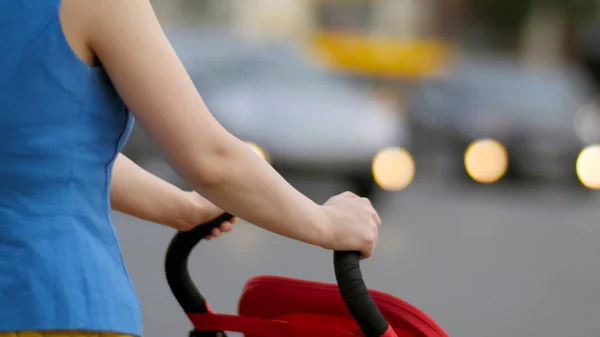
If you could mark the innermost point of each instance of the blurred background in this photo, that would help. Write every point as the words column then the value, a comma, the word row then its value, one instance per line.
column 473, row 125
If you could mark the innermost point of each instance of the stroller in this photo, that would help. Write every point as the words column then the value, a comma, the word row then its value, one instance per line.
column 272, row 306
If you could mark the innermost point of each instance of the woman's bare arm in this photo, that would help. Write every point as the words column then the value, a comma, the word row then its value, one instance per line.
column 139, row 193
column 131, row 45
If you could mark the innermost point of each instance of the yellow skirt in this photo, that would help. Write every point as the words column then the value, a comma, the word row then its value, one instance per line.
column 60, row 334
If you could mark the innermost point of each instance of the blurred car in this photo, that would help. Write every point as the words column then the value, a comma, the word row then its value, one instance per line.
column 297, row 115
column 501, row 119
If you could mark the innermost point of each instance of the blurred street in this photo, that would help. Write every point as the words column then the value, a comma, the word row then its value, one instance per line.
column 481, row 263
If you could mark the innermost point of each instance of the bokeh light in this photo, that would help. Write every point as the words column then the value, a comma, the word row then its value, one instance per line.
column 588, row 167
column 393, row 169
column 486, row 161
column 259, row 151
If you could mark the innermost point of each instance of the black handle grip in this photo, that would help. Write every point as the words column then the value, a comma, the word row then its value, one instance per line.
column 176, row 265
column 347, row 272
column 356, row 295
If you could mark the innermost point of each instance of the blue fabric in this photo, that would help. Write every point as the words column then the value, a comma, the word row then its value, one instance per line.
column 61, row 126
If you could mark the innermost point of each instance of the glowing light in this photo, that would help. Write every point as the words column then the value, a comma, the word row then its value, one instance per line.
column 486, row 161
column 588, row 167
column 259, row 151
column 393, row 169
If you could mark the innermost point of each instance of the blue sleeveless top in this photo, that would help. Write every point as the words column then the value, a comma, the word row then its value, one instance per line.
column 61, row 126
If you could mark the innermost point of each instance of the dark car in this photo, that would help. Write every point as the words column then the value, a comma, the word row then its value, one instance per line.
column 537, row 120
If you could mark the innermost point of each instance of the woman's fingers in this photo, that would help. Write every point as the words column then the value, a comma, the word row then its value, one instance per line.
column 224, row 228
column 213, row 234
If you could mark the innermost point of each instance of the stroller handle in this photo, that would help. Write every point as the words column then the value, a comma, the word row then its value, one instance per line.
column 356, row 294
column 347, row 271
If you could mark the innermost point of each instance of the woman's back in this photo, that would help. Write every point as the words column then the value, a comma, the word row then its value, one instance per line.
column 61, row 125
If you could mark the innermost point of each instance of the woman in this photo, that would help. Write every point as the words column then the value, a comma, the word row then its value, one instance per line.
column 67, row 72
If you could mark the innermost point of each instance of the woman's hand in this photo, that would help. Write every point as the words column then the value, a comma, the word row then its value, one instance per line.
column 139, row 193
column 202, row 211
column 353, row 224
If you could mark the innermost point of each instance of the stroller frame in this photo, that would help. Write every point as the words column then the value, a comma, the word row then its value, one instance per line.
column 356, row 298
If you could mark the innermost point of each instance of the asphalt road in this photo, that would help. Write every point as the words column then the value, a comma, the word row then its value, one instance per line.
column 482, row 263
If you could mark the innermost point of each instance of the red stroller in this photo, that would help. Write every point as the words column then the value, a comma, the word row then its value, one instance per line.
column 273, row 306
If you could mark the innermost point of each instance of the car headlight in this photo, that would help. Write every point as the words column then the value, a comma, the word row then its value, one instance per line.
column 486, row 161
column 588, row 167
column 393, row 168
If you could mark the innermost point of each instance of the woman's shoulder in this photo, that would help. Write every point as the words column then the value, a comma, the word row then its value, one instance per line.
column 85, row 22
